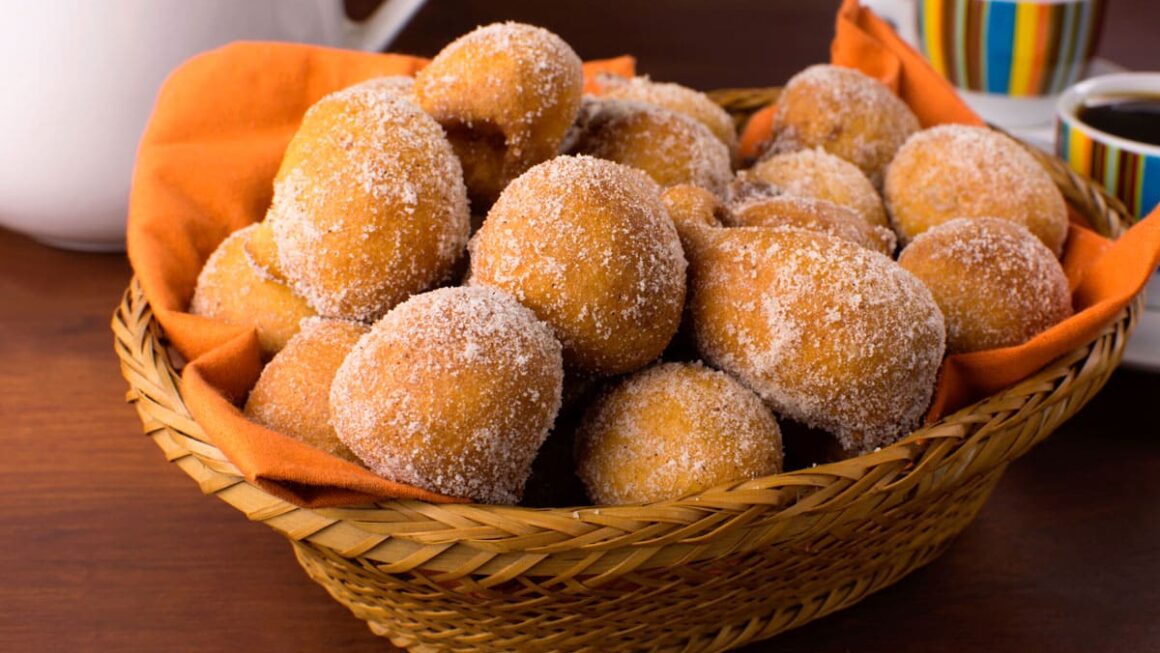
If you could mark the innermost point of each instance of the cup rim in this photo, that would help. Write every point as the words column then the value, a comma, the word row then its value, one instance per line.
column 1069, row 101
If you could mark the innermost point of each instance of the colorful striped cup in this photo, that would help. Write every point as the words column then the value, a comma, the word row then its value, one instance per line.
column 1009, row 58
column 1130, row 170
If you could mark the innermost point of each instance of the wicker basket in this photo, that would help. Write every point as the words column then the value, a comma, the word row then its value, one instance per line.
column 704, row 573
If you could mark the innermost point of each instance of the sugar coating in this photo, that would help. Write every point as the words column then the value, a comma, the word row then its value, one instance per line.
column 827, row 332
column 821, row 175
column 587, row 245
column 673, row 429
column 399, row 84
column 959, row 171
column 231, row 288
column 811, row 214
column 369, row 204
column 509, row 74
column 845, row 112
column 670, row 147
column 292, row 394
column 673, row 97
column 454, row 391
column 995, row 282
column 506, row 93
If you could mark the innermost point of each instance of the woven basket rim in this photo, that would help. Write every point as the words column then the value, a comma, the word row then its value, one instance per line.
column 916, row 461
column 949, row 427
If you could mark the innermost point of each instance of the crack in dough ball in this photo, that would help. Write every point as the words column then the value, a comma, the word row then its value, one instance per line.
column 818, row 174
column 670, row 147
column 453, row 391
column 846, row 113
column 292, row 394
column 587, row 245
column 506, row 93
column 369, row 204
column 671, row 430
column 263, row 251
column 692, row 208
column 233, row 289
column 826, row 332
column 995, row 282
column 958, row 171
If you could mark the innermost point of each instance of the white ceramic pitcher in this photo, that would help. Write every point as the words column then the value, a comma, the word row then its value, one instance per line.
column 78, row 79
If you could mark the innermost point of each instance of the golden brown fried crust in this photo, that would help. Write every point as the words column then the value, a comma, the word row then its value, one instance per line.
column 845, row 112
column 587, row 245
column 673, row 429
column 506, row 93
column 957, row 171
column 995, row 282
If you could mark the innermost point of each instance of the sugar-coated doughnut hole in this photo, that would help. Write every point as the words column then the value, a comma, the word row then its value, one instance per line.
column 369, row 203
column 454, row 391
column 674, row 97
column 817, row 173
column 587, row 245
column 826, row 332
column 506, row 93
column 845, row 112
column 231, row 288
column 670, row 147
column 292, row 394
column 995, row 282
column 959, row 171
column 674, row 429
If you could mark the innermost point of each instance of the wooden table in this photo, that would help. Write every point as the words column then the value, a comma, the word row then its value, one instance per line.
column 106, row 547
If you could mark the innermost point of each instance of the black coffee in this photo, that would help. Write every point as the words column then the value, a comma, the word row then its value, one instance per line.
column 1134, row 117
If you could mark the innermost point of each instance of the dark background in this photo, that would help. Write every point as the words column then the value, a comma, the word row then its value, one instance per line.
column 710, row 44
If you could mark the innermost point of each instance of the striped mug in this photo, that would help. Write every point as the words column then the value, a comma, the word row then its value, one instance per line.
column 1128, row 169
column 1010, row 59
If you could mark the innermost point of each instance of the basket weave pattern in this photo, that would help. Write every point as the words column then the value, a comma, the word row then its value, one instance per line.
column 703, row 573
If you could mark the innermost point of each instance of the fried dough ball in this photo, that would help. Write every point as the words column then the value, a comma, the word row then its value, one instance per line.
column 846, row 113
column 587, row 245
column 995, row 282
column 369, row 204
column 817, row 173
column 957, row 171
column 672, row 148
column 453, row 391
column 673, row 97
column 292, row 395
column 812, row 215
column 232, row 289
column 506, row 93
column 674, row 429
column 826, row 332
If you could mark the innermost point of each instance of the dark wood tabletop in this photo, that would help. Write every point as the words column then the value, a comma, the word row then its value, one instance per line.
column 104, row 546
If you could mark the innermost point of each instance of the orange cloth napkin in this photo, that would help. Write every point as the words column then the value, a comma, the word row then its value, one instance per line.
column 205, row 168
